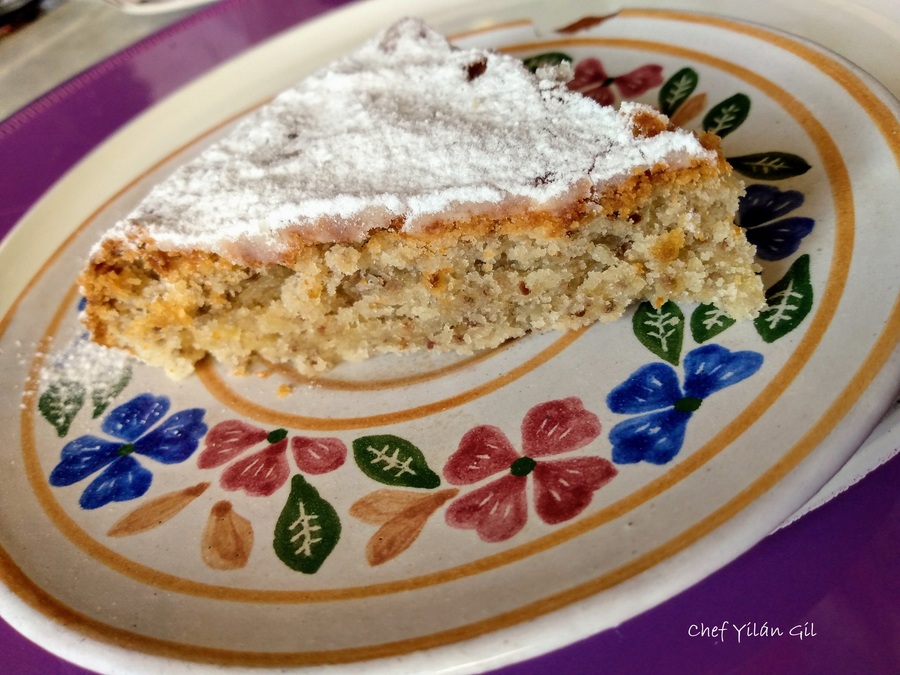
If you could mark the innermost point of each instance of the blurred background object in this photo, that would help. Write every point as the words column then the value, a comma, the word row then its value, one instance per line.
column 15, row 13
column 43, row 43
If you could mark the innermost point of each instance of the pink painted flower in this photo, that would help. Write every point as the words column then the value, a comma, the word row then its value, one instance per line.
column 591, row 80
column 264, row 471
column 562, row 488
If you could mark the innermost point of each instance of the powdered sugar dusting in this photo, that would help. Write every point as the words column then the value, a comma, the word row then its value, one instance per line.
column 403, row 130
column 86, row 365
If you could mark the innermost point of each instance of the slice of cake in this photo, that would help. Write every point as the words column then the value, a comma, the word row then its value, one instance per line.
column 417, row 196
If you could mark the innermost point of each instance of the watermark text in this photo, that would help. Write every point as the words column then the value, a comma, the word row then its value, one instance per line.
column 726, row 631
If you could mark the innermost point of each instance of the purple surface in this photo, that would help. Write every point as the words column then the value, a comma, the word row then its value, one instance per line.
column 835, row 572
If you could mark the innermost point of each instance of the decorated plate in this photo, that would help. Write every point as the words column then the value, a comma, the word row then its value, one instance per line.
column 418, row 513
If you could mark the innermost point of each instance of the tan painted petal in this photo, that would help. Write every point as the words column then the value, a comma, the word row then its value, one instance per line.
column 227, row 539
column 398, row 534
column 156, row 511
column 688, row 110
column 381, row 506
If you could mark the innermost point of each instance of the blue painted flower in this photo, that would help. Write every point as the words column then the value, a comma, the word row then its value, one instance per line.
column 757, row 213
column 122, row 476
column 663, row 408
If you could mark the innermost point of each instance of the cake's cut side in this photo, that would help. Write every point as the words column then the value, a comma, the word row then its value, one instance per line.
column 467, row 288
column 419, row 239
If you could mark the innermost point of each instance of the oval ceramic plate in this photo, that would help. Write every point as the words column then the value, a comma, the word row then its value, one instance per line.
column 271, row 521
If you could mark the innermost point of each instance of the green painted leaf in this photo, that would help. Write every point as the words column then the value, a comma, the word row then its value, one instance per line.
column 770, row 165
column 660, row 330
column 103, row 394
column 546, row 59
column 307, row 530
column 707, row 321
column 789, row 301
column 676, row 90
column 60, row 403
column 725, row 117
column 393, row 461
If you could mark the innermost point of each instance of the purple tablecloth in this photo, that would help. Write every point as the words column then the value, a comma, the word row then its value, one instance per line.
column 820, row 596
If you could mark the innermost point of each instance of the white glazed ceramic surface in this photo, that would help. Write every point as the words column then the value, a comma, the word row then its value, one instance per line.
column 615, row 466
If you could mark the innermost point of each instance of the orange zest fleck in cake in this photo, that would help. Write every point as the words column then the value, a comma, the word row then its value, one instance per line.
column 417, row 196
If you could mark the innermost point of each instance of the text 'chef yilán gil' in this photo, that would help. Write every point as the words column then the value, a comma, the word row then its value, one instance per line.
column 750, row 629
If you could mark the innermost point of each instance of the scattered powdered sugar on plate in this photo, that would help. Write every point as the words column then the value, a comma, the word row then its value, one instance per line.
column 406, row 130
column 85, row 366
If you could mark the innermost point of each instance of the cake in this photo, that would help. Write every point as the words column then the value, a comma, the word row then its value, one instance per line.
column 417, row 196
